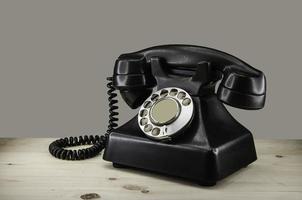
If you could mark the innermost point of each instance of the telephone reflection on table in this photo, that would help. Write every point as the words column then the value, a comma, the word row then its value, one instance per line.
column 182, row 129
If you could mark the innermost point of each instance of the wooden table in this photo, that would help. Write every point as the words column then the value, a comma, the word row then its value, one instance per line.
column 28, row 171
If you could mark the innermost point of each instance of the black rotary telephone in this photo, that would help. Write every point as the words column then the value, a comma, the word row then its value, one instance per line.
column 182, row 127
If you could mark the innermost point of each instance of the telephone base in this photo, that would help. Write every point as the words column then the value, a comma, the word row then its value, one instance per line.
column 213, row 147
column 203, row 167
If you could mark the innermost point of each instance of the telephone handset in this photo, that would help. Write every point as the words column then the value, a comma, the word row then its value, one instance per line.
column 182, row 128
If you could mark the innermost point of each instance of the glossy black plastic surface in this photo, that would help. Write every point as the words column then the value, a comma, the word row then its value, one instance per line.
column 242, row 86
column 215, row 144
column 213, row 147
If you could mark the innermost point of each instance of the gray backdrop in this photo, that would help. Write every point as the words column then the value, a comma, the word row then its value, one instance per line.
column 55, row 55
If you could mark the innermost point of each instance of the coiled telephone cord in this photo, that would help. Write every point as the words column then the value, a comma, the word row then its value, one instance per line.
column 57, row 147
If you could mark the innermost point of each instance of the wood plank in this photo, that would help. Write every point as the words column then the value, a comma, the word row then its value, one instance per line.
column 28, row 171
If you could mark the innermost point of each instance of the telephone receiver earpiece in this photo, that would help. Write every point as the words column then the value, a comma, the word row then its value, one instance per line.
column 132, row 76
column 135, row 75
column 241, row 88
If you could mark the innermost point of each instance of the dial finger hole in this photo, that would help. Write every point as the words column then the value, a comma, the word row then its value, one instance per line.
column 148, row 128
column 154, row 97
column 155, row 132
column 147, row 104
column 143, row 113
column 186, row 102
column 181, row 95
column 173, row 92
column 143, row 121
column 164, row 93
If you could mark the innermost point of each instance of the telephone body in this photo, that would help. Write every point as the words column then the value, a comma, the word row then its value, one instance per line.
column 182, row 128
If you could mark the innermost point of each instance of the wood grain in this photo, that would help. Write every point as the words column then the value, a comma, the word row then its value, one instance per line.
column 28, row 171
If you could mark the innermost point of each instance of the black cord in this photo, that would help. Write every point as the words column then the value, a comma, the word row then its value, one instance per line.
column 57, row 148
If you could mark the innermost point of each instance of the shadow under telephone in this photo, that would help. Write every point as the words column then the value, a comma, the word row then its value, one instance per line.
column 182, row 129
